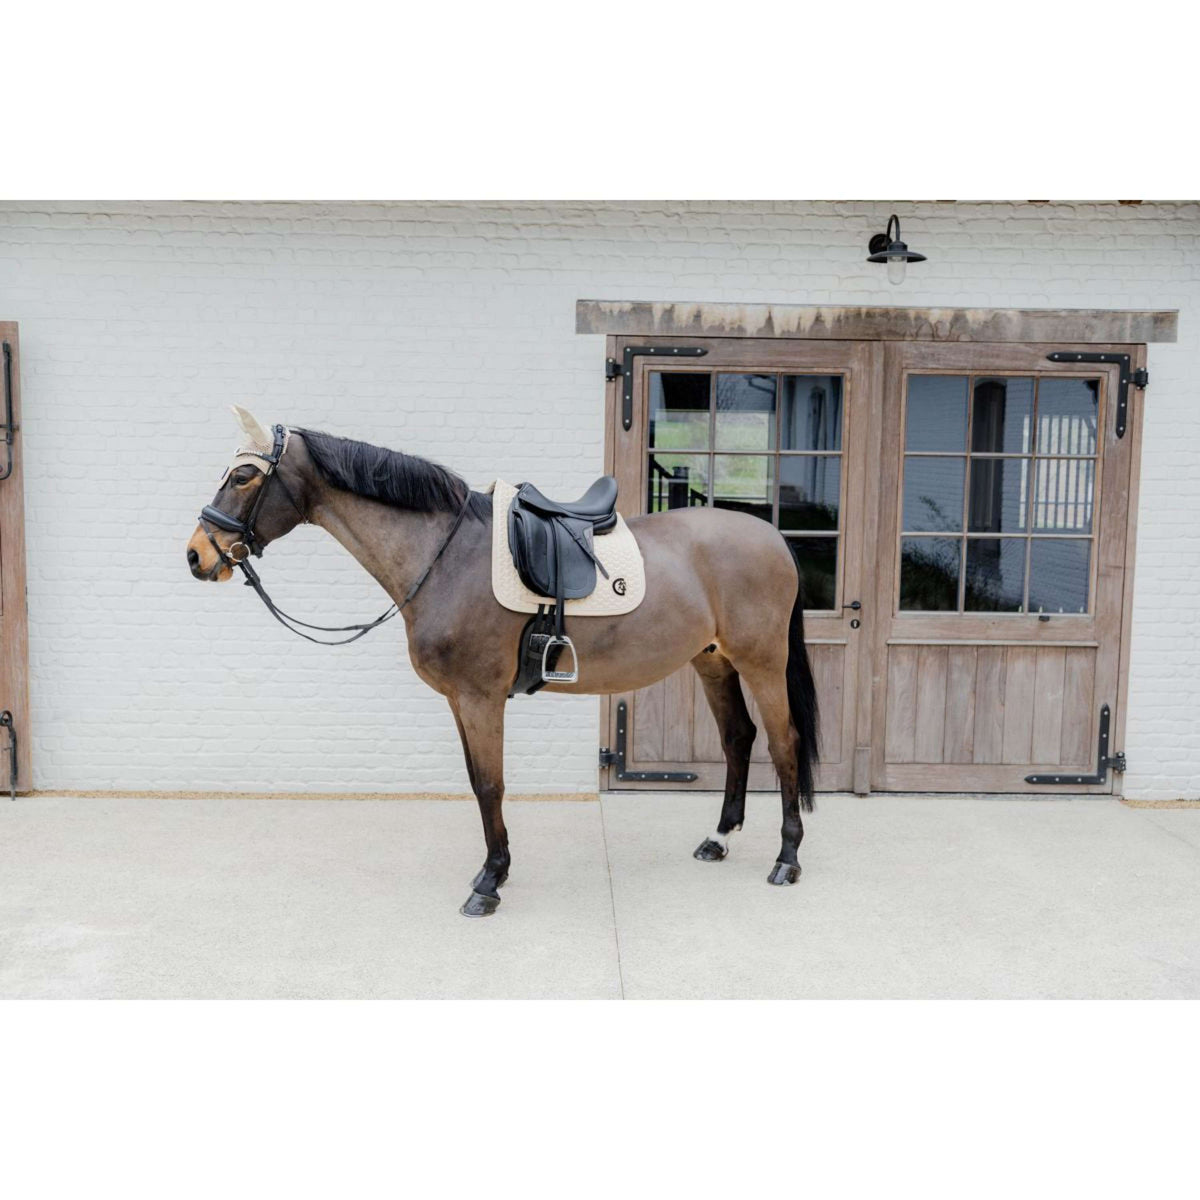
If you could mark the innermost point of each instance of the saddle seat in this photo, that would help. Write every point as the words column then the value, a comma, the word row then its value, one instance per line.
column 597, row 506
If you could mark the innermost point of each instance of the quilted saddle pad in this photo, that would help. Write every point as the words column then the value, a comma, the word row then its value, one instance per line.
column 620, row 593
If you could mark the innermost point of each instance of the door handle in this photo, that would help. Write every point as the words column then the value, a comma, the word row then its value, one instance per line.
column 854, row 606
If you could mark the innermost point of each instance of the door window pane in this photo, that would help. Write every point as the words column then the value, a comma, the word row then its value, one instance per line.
column 1063, row 493
column 936, row 417
column 809, row 491
column 1058, row 575
column 743, row 482
column 1002, row 416
column 995, row 575
column 816, row 560
column 933, row 493
column 677, row 481
column 1068, row 410
column 812, row 412
column 929, row 574
column 999, row 495
column 745, row 412
column 679, row 410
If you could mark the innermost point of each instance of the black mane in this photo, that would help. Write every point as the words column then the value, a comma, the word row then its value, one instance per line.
column 401, row 480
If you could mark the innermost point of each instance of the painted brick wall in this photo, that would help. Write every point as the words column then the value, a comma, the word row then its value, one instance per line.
column 447, row 330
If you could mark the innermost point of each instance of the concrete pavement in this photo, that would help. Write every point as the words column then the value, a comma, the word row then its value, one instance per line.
column 901, row 896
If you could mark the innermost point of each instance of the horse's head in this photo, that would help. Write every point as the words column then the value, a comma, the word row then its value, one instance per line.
column 254, row 505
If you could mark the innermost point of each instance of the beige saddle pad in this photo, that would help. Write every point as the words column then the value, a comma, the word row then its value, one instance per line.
column 621, row 592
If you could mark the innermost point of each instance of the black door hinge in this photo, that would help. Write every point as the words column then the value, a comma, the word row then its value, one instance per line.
column 6, row 721
column 9, row 427
column 1104, row 761
column 616, row 370
column 616, row 758
column 1139, row 378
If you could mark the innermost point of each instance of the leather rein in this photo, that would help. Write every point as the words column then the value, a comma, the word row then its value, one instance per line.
column 238, row 554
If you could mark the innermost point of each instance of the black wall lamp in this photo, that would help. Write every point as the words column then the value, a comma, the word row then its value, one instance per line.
column 891, row 250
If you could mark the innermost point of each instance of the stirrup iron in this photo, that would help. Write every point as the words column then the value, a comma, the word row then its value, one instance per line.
column 570, row 676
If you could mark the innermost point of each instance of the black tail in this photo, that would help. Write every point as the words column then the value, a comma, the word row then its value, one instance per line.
column 802, row 700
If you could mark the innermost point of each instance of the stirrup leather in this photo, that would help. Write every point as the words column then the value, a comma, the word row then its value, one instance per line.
column 549, row 676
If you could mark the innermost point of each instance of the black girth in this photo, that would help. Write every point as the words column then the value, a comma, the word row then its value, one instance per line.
column 238, row 554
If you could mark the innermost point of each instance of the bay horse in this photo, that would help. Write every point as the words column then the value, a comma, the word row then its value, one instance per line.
column 722, row 593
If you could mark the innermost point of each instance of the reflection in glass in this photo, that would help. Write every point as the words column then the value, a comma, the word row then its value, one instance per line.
column 995, row 575
column 933, row 493
column 812, row 412
column 677, row 481
column 1067, row 413
column 679, row 410
column 1063, row 492
column 745, row 412
column 937, row 413
column 742, row 482
column 929, row 574
column 809, row 492
column 1002, row 416
column 1058, row 575
column 999, row 492
column 816, row 560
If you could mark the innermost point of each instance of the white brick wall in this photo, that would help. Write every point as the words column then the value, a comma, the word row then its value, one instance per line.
column 447, row 330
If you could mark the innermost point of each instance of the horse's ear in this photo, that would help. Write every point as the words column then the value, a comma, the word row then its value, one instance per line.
column 256, row 436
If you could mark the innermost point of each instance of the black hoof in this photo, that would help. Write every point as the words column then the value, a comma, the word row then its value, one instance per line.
column 479, row 879
column 782, row 874
column 479, row 905
column 710, row 851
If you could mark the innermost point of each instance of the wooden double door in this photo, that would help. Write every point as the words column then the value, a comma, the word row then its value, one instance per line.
column 961, row 515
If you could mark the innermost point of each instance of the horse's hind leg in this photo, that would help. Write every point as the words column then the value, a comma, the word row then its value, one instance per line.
column 769, row 685
column 723, row 690
column 481, row 726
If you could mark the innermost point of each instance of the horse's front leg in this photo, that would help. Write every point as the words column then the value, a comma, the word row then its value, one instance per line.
column 480, row 722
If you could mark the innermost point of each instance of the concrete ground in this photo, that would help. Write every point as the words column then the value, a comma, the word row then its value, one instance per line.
column 901, row 897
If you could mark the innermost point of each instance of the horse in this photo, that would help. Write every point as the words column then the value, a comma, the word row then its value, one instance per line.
column 723, row 593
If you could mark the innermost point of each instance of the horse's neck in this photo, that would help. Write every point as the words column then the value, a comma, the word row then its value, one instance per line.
column 394, row 544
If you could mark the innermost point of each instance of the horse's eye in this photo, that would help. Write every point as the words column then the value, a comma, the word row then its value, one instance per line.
column 243, row 477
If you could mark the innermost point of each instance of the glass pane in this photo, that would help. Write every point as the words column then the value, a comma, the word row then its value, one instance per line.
column 929, row 574
column 1058, row 575
column 679, row 410
column 937, row 413
column 933, row 493
column 1002, row 416
column 812, row 412
column 816, row 559
column 995, row 575
column 1067, row 415
column 999, row 495
column 809, row 491
column 745, row 412
column 677, row 481
column 743, row 482
column 1063, row 494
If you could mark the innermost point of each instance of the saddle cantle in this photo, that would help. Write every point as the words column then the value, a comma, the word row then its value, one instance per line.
column 552, row 549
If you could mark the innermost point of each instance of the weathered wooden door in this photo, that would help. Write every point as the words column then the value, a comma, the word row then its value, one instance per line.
column 780, row 430
column 1004, row 556
column 14, row 652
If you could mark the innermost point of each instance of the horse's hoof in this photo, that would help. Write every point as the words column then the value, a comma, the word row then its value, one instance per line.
column 710, row 851
column 782, row 874
column 479, row 905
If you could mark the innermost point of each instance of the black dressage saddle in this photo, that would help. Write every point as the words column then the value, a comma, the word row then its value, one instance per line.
column 552, row 548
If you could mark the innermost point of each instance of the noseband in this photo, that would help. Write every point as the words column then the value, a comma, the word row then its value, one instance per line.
column 238, row 554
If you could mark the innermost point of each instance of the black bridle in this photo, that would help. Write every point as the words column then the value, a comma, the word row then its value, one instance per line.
column 239, row 552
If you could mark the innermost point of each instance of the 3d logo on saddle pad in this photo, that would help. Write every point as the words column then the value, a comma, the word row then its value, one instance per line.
column 617, row 550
